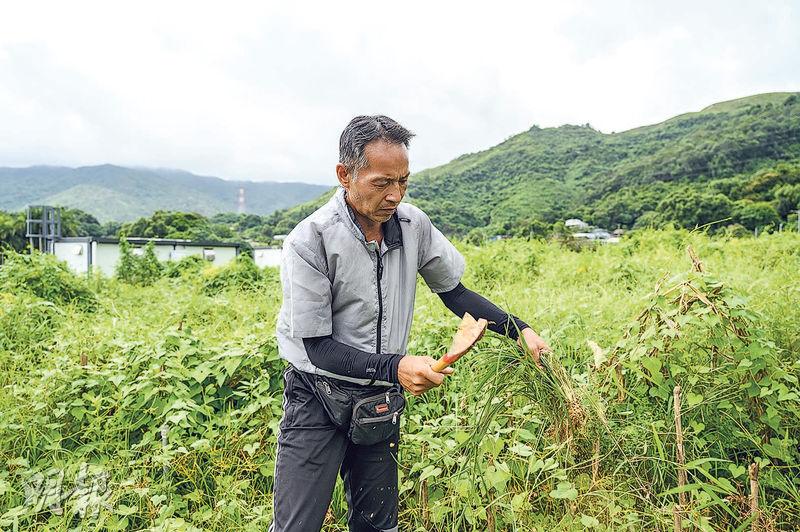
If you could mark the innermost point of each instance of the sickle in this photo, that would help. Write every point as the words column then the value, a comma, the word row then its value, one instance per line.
column 469, row 332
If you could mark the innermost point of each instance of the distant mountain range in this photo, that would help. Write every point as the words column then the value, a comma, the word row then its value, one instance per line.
column 735, row 162
column 119, row 193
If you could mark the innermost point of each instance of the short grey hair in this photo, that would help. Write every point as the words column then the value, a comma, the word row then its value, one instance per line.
column 361, row 131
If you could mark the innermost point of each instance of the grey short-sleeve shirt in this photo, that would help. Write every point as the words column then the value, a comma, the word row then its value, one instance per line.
column 335, row 282
column 440, row 264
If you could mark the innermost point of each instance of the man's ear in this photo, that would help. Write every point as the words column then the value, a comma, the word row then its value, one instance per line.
column 343, row 175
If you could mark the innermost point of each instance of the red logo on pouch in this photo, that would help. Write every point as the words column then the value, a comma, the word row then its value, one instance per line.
column 382, row 409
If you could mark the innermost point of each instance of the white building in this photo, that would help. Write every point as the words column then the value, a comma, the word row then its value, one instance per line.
column 597, row 235
column 83, row 254
column 267, row 256
column 576, row 224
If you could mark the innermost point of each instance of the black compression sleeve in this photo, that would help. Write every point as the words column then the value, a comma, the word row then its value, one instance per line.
column 329, row 355
column 461, row 299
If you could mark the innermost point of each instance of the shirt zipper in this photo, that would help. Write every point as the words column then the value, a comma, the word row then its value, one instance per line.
column 380, row 300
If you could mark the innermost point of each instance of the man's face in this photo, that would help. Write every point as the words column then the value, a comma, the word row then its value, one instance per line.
column 380, row 187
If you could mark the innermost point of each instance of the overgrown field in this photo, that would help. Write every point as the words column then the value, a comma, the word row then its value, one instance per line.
column 126, row 406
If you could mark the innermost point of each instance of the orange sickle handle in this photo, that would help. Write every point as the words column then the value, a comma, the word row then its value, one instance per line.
column 469, row 332
column 444, row 362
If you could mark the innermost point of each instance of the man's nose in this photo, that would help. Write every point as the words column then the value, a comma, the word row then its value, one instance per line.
column 395, row 195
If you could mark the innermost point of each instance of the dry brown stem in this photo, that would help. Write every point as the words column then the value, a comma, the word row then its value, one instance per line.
column 680, row 457
column 753, row 472
column 697, row 264
column 677, row 525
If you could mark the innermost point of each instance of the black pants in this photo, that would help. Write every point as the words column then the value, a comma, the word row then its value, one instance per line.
column 311, row 451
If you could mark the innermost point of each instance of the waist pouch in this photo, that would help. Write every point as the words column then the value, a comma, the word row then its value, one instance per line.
column 367, row 414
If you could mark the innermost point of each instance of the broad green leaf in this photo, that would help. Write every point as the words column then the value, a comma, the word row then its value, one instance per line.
column 498, row 476
column 519, row 501
column 526, row 435
column 430, row 471
column 8, row 518
column 653, row 366
column 737, row 470
column 589, row 522
column 461, row 436
column 565, row 490
column 463, row 487
column 521, row 449
column 693, row 399
column 123, row 509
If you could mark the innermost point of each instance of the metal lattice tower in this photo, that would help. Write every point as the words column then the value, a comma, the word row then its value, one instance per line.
column 42, row 227
column 241, row 206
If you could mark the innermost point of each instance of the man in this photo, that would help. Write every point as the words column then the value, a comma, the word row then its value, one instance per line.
column 349, row 277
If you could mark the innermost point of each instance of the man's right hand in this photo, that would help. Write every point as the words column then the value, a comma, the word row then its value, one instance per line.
column 417, row 377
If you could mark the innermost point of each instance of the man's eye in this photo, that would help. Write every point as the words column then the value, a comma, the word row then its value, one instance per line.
column 381, row 184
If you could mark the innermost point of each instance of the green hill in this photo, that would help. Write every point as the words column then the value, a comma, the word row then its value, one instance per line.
column 736, row 161
column 619, row 178
column 118, row 193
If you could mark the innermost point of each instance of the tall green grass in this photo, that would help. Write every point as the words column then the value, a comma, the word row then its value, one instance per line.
column 173, row 391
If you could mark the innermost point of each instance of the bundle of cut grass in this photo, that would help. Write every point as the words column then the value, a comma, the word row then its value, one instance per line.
column 572, row 412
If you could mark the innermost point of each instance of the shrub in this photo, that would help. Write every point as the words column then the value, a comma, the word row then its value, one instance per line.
column 241, row 274
column 149, row 267
column 25, row 321
column 46, row 277
column 27, row 330
column 143, row 270
column 192, row 264
column 735, row 231
column 753, row 214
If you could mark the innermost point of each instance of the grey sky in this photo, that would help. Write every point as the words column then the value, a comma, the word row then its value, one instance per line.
column 262, row 90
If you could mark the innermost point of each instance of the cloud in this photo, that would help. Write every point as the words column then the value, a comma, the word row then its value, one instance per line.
column 261, row 91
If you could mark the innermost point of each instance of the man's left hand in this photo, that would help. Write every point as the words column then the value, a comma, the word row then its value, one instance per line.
column 534, row 343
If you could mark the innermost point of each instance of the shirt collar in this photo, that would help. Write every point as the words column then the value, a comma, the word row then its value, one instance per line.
column 392, row 233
